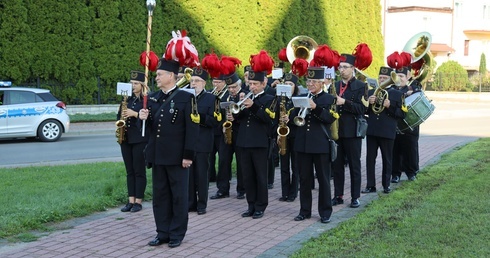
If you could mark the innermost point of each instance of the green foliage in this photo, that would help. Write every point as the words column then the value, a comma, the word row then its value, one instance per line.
column 483, row 65
column 44, row 194
column 104, row 117
column 84, row 48
column 451, row 76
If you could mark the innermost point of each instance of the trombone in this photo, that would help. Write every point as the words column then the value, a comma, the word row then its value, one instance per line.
column 299, row 120
column 235, row 108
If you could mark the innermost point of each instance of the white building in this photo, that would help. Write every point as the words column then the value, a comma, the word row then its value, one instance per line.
column 460, row 29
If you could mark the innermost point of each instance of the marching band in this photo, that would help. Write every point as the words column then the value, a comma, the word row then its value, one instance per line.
column 240, row 118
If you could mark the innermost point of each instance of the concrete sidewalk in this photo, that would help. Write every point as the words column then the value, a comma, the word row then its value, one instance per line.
column 222, row 232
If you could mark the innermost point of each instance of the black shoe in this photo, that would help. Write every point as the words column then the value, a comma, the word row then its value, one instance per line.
column 219, row 195
column 201, row 211
column 247, row 214
column 301, row 217
column 371, row 189
column 412, row 178
column 157, row 241
column 136, row 207
column 240, row 196
column 290, row 199
column 127, row 207
column 325, row 220
column 395, row 179
column 258, row 215
column 283, row 199
column 355, row 203
column 270, row 186
column 174, row 243
column 337, row 200
column 387, row 190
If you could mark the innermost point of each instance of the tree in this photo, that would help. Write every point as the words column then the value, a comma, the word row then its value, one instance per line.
column 483, row 69
column 451, row 76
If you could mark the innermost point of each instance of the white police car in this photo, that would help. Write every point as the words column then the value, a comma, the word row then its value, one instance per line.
column 31, row 112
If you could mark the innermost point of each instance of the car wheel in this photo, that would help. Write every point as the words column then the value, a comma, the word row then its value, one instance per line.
column 49, row 131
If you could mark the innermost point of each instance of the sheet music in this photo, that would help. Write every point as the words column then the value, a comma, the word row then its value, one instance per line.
column 224, row 105
column 124, row 88
column 284, row 90
column 301, row 102
column 372, row 82
column 277, row 73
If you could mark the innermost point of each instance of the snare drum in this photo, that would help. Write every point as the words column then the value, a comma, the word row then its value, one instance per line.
column 419, row 109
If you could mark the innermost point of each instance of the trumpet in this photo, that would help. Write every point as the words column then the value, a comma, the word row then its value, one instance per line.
column 299, row 120
column 235, row 108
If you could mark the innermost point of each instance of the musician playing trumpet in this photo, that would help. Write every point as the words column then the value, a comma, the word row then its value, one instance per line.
column 253, row 141
column 313, row 148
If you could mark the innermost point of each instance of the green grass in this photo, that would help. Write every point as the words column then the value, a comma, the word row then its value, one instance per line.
column 105, row 117
column 35, row 196
column 445, row 213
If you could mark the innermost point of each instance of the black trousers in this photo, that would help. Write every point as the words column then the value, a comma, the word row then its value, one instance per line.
column 134, row 161
column 273, row 160
column 223, row 178
column 254, row 165
column 350, row 148
column 171, row 201
column 405, row 155
column 199, row 182
column 289, row 171
column 212, row 157
column 386, row 147
column 306, row 161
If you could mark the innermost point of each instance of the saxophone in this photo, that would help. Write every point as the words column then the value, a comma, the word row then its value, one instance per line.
column 227, row 128
column 121, row 123
column 334, row 127
column 283, row 129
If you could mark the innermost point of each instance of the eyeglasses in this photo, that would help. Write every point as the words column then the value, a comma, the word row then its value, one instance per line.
column 344, row 67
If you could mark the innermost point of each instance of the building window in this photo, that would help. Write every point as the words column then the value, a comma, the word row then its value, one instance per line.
column 466, row 47
column 458, row 9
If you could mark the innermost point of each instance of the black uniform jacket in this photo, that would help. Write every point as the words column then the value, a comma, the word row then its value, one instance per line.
column 133, row 128
column 255, row 123
column 206, row 105
column 352, row 108
column 173, row 133
column 312, row 138
column 384, row 124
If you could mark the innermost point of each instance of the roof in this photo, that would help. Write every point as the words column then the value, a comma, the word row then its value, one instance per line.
column 440, row 47
column 35, row 90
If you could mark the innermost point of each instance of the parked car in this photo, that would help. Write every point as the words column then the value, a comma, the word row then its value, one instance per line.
column 31, row 112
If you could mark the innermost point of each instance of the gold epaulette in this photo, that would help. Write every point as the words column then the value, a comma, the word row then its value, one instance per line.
column 270, row 113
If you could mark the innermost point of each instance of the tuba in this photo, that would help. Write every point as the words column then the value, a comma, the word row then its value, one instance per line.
column 283, row 129
column 121, row 123
column 419, row 47
column 182, row 83
column 302, row 47
column 381, row 94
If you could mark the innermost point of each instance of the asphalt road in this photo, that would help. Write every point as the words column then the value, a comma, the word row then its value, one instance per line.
column 93, row 142
column 69, row 149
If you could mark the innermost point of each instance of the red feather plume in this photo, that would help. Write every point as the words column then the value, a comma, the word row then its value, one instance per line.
column 299, row 67
column 229, row 64
column 262, row 62
column 397, row 61
column 152, row 60
column 180, row 49
column 283, row 56
column 364, row 56
column 212, row 64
